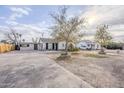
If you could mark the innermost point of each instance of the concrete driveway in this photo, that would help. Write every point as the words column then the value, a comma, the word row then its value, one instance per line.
column 34, row 69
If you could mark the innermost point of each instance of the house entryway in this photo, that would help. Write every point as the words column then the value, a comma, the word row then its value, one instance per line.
column 51, row 46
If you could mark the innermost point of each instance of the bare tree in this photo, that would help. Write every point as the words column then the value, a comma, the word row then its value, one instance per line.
column 102, row 37
column 23, row 40
column 65, row 28
column 14, row 37
column 36, row 41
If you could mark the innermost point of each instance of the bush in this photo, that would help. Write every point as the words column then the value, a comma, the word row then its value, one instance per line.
column 73, row 49
column 102, row 51
column 64, row 56
column 114, row 46
column 94, row 55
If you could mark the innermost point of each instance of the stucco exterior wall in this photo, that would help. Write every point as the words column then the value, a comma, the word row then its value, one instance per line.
column 44, row 46
column 50, row 46
column 61, row 45
column 31, row 47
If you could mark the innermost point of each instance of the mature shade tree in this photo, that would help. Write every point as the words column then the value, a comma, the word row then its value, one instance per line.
column 66, row 28
column 102, row 36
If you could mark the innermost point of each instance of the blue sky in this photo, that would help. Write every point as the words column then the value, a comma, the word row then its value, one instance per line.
column 37, row 13
column 32, row 20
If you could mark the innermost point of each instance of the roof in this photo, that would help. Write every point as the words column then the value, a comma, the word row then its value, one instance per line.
column 6, row 41
column 26, row 43
column 88, row 41
column 43, row 40
column 48, row 40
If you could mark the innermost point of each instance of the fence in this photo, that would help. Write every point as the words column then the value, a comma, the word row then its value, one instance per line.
column 6, row 48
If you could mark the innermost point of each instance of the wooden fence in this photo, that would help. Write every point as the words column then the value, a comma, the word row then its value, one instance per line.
column 6, row 48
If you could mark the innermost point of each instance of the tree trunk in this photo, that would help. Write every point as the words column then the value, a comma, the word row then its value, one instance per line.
column 17, row 47
column 102, row 51
column 66, row 48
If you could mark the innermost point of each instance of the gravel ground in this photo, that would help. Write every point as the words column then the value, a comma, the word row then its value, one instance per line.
column 33, row 69
column 98, row 72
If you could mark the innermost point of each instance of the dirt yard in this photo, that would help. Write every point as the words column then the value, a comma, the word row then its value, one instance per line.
column 97, row 71
column 33, row 69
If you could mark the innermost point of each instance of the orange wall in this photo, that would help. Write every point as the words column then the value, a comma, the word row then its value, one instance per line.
column 6, row 48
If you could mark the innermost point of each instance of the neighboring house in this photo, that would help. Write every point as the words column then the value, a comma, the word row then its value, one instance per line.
column 123, row 47
column 45, row 44
column 87, row 44
column 6, row 41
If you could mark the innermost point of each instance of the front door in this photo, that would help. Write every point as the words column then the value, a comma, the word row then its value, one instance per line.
column 46, row 46
column 35, row 46
column 53, row 46
column 56, row 46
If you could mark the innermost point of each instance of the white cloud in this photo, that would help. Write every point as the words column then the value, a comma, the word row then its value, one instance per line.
column 15, row 15
column 117, row 32
column 28, row 30
column 3, row 30
column 28, row 9
column 10, row 22
column 104, row 15
column 18, row 12
column 111, row 15
column 31, row 30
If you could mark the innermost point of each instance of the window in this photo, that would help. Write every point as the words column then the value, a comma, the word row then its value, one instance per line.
column 63, row 45
column 88, row 45
column 83, row 46
column 97, row 46
column 28, row 45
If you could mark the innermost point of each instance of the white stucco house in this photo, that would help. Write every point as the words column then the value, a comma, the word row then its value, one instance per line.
column 89, row 45
column 44, row 44
column 53, row 44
